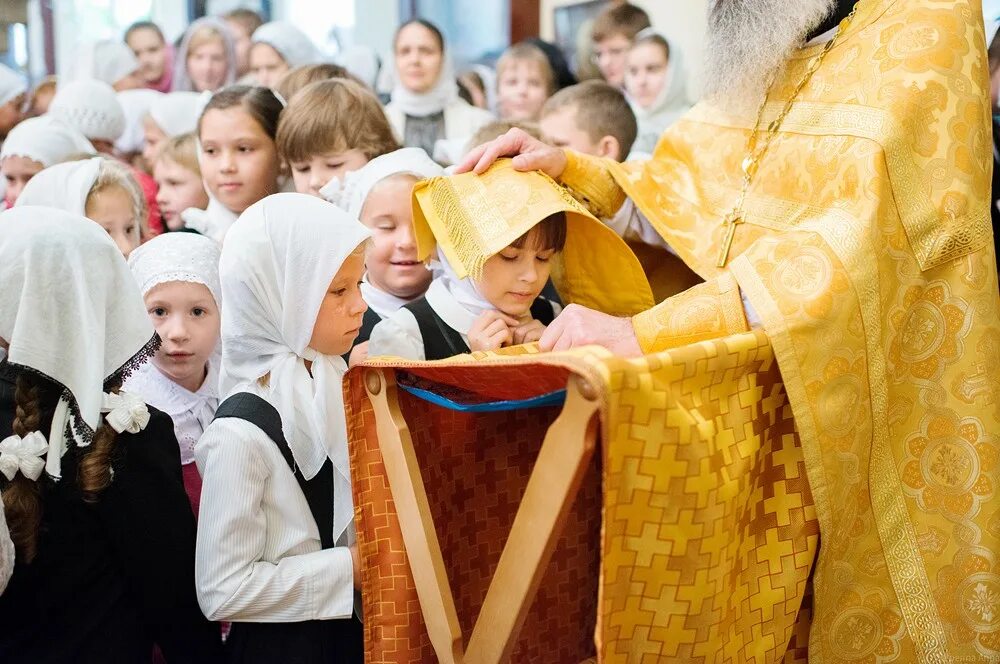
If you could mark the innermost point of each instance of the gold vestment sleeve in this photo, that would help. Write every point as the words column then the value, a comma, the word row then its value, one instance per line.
column 707, row 311
column 591, row 183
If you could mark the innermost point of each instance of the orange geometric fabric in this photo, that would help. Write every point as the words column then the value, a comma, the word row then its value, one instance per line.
column 693, row 534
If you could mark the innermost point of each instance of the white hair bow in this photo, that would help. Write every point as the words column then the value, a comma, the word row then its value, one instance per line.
column 125, row 412
column 24, row 454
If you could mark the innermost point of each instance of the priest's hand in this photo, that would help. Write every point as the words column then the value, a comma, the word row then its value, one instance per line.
column 579, row 326
column 530, row 154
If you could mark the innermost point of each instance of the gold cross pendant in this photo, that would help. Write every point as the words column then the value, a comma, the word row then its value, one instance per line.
column 731, row 221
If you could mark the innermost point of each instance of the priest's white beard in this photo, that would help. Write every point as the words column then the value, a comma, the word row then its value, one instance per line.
column 749, row 41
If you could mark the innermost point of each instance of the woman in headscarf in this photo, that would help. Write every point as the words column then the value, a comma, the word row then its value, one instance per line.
column 103, row 530
column 425, row 108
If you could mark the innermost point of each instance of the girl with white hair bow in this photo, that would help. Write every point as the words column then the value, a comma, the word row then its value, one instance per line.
column 104, row 534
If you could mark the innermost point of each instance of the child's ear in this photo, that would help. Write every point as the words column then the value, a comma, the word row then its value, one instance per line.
column 609, row 147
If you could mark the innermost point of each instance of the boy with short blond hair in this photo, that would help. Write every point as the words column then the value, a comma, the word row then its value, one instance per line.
column 590, row 117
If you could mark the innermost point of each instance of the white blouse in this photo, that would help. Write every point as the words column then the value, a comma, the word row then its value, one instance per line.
column 399, row 334
column 259, row 556
column 191, row 412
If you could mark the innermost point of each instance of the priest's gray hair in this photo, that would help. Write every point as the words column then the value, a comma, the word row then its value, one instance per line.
column 749, row 41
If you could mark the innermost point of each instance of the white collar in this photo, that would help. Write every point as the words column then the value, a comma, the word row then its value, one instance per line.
column 383, row 303
column 445, row 305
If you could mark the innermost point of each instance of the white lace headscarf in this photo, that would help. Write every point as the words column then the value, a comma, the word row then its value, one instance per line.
column 70, row 312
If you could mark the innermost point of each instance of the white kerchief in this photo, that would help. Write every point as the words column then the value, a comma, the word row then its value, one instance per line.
column 136, row 105
column 71, row 312
column 350, row 194
column 214, row 221
column 292, row 44
column 177, row 113
column 382, row 303
column 422, row 104
column 448, row 287
column 64, row 186
column 106, row 60
column 11, row 84
column 277, row 264
column 177, row 257
column 182, row 80
column 45, row 140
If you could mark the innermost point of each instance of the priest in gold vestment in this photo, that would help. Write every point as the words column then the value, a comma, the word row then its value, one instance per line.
column 848, row 217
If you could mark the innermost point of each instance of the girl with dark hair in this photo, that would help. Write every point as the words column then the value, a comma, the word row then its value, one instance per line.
column 90, row 475
column 238, row 157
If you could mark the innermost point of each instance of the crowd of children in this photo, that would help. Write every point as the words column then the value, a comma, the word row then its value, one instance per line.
column 201, row 239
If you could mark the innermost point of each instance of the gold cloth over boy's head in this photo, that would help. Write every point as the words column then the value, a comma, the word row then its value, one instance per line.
column 473, row 217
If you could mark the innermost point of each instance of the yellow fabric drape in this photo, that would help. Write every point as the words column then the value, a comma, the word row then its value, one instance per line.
column 867, row 254
column 473, row 217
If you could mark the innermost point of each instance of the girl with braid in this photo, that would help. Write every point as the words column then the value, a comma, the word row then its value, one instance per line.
column 90, row 476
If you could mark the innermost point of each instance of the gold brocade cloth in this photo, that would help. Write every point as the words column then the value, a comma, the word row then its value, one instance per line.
column 692, row 536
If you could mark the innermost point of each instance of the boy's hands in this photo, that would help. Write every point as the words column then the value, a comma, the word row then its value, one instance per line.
column 491, row 331
column 494, row 329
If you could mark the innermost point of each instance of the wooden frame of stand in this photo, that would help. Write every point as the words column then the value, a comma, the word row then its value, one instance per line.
column 555, row 479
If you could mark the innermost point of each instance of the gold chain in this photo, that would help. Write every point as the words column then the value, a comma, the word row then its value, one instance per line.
column 755, row 154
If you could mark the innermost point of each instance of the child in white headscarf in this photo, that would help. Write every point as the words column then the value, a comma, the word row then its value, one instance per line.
column 206, row 59
column 272, row 558
column 277, row 48
column 36, row 144
column 100, row 189
column 13, row 91
column 170, row 115
column 104, row 533
column 178, row 276
column 425, row 108
column 379, row 195
column 92, row 108
column 110, row 61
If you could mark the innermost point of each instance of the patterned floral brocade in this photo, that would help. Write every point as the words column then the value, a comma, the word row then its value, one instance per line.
column 708, row 523
column 867, row 254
